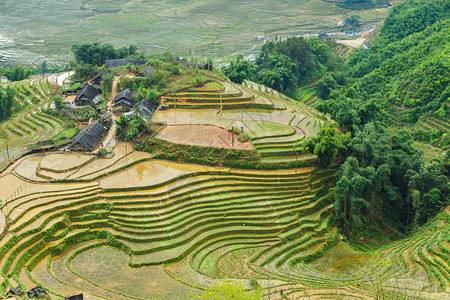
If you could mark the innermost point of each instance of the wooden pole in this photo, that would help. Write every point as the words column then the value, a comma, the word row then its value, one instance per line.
column 220, row 100
column 232, row 136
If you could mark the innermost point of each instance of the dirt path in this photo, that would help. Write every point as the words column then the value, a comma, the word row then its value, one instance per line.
column 110, row 139
column 352, row 43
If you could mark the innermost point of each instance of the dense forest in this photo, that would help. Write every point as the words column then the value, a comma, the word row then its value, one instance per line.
column 402, row 79
column 376, row 96
column 285, row 65
column 96, row 54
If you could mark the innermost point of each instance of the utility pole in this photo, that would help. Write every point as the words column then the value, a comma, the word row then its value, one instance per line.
column 221, row 107
column 175, row 100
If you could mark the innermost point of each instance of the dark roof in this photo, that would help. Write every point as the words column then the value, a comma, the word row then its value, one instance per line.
column 123, row 95
column 99, row 75
column 147, row 108
column 112, row 63
column 89, row 136
column 149, row 71
column 129, row 103
column 95, row 101
column 88, row 92
column 75, row 297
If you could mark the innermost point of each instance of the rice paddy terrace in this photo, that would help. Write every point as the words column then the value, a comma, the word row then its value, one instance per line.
column 25, row 130
column 212, row 27
column 135, row 227
column 276, row 127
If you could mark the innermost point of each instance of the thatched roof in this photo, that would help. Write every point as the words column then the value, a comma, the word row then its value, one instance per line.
column 89, row 137
column 149, row 71
column 147, row 108
column 99, row 76
column 88, row 92
column 124, row 97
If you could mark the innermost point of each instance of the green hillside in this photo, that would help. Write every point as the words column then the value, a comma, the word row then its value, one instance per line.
column 404, row 77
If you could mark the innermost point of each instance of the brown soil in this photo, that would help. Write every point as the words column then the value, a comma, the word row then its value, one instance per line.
column 70, row 99
column 202, row 135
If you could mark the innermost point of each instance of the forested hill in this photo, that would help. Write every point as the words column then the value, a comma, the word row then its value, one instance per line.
column 386, row 96
column 404, row 77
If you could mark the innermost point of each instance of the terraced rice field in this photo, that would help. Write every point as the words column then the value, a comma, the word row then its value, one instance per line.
column 31, row 126
column 433, row 123
column 308, row 95
column 211, row 27
column 172, row 217
column 275, row 125
column 134, row 227
column 175, row 229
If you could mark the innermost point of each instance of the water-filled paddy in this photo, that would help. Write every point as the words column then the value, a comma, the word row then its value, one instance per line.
column 150, row 173
column 61, row 162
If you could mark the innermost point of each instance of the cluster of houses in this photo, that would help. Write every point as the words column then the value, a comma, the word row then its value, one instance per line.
column 90, row 137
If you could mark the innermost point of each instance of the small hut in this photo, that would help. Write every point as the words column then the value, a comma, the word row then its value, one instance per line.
column 148, row 72
column 97, row 80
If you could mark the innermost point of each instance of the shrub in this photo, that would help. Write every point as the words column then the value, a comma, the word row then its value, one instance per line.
column 101, row 152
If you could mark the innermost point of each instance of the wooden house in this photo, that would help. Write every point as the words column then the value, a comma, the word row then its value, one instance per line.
column 87, row 94
column 124, row 99
column 88, row 138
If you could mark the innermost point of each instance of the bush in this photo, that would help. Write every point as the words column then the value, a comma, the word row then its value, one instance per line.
column 102, row 153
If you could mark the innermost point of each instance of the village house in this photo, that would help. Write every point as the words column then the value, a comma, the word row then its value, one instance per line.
column 88, row 95
column 88, row 138
column 124, row 99
column 146, row 109
column 148, row 72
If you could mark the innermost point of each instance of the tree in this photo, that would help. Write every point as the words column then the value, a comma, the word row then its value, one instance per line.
column 353, row 21
column 350, row 202
column 43, row 67
column 6, row 101
column 239, row 70
column 58, row 100
column 430, row 185
column 327, row 144
column 16, row 72
column 325, row 86
column 83, row 70
column 278, row 73
column 96, row 54
column 107, row 83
